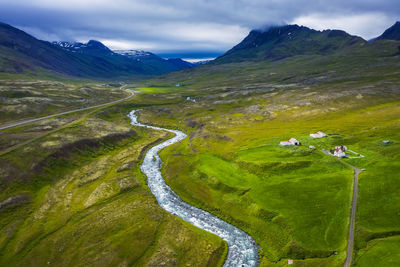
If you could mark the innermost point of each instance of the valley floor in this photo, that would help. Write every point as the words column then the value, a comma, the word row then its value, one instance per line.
column 73, row 194
column 294, row 201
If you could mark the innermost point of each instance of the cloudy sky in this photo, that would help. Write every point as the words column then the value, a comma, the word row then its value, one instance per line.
column 189, row 28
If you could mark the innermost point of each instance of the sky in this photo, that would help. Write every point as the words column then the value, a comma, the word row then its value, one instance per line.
column 189, row 29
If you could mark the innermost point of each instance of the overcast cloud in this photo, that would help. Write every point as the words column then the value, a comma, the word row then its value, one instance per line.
column 206, row 27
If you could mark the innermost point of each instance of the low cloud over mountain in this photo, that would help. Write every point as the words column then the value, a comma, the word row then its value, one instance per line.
column 188, row 25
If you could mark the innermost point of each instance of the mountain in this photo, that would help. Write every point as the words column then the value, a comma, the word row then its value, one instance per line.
column 305, row 57
column 162, row 65
column 23, row 54
column 180, row 63
column 280, row 42
column 393, row 33
column 93, row 47
column 136, row 54
column 202, row 62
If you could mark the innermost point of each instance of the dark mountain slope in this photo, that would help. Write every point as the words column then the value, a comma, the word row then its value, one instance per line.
column 22, row 53
column 393, row 33
column 180, row 64
column 92, row 47
column 308, row 58
column 286, row 41
column 159, row 64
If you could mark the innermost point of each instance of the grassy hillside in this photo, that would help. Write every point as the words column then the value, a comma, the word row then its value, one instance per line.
column 22, row 99
column 369, row 62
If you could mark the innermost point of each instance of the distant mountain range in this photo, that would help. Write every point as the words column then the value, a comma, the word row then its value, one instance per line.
column 158, row 64
column 166, row 65
column 92, row 47
column 22, row 53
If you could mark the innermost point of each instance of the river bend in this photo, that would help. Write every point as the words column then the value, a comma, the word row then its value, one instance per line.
column 242, row 248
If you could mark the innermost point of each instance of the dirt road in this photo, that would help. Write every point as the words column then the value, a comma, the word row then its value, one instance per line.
column 66, row 112
column 350, row 240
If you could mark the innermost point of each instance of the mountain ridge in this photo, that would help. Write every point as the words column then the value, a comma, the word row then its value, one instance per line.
column 392, row 33
column 278, row 42
column 170, row 64
column 21, row 53
column 91, row 47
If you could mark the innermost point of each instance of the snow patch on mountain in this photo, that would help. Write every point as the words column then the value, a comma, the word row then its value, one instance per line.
column 133, row 53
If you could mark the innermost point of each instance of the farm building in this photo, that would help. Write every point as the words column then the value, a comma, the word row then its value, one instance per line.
column 340, row 151
column 318, row 135
column 291, row 142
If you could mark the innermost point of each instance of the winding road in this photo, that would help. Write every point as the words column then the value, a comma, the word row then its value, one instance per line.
column 243, row 250
column 131, row 94
column 350, row 240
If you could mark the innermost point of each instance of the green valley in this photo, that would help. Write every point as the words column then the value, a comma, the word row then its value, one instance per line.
column 72, row 192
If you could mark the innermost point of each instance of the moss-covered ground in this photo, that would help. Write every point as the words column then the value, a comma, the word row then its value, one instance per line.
column 86, row 203
column 23, row 99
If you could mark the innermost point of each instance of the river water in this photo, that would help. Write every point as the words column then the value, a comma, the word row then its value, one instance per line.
column 242, row 248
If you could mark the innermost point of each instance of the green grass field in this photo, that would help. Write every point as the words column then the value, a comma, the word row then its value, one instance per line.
column 294, row 201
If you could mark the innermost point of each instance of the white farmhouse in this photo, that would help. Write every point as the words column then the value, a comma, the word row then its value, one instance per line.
column 340, row 151
column 318, row 135
column 292, row 142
